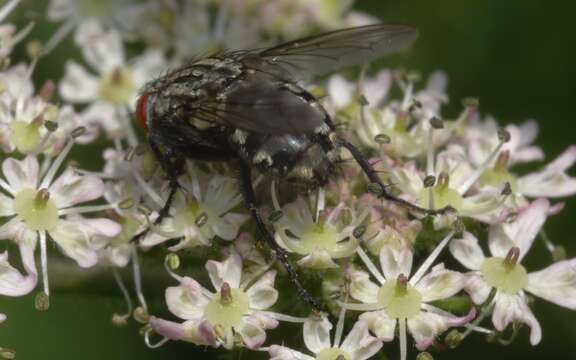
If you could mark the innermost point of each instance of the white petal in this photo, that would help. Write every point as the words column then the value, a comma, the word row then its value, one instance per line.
column 252, row 334
column 12, row 282
column 2, row 318
column 317, row 333
column 6, row 206
column 296, row 217
column 148, row 66
column 395, row 262
column 362, row 289
column 284, row 353
column 186, row 300
column 229, row 271
column 467, row 251
column 509, row 308
column 262, row 293
column 102, row 49
column 477, row 288
column 71, row 188
column 78, row 85
column 359, row 344
column 73, row 239
column 340, row 90
column 382, row 325
column 424, row 328
column 21, row 174
column 521, row 232
column 227, row 227
column 440, row 284
column 101, row 226
column 318, row 259
column 60, row 9
column 375, row 90
column 553, row 180
column 556, row 283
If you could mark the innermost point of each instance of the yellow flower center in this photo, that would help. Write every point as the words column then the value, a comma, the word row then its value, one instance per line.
column 26, row 136
column 333, row 354
column 504, row 275
column 118, row 86
column 227, row 309
column 498, row 177
column 36, row 208
column 129, row 228
column 400, row 299
column 189, row 214
column 442, row 194
column 318, row 237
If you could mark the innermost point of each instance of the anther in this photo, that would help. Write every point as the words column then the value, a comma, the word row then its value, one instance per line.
column 429, row 181
column 225, row 294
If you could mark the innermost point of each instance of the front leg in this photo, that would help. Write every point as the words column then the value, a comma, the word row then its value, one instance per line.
column 280, row 253
column 173, row 167
column 382, row 193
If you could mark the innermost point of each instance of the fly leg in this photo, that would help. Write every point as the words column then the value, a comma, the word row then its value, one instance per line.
column 382, row 193
column 173, row 166
column 279, row 252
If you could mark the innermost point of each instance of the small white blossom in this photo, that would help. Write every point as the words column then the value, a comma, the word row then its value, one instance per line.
column 320, row 241
column 113, row 92
column 509, row 243
column 358, row 343
column 202, row 210
column 236, row 310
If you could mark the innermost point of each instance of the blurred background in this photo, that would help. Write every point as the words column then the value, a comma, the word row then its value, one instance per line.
column 517, row 56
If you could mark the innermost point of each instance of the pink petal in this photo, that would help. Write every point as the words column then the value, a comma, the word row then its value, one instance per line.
column 21, row 174
column 12, row 282
column 229, row 271
column 467, row 251
column 252, row 334
column 509, row 308
column 72, row 188
column 359, row 344
column 556, row 283
column 520, row 233
column 169, row 329
column 187, row 300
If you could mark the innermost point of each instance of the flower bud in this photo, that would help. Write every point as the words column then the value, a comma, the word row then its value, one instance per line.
column 7, row 354
column 119, row 320
column 429, row 181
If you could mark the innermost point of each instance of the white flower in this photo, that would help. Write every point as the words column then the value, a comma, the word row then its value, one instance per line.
column 358, row 344
column 202, row 210
column 236, row 310
column 113, row 92
column 397, row 298
column 320, row 241
column 509, row 243
column 35, row 205
column 12, row 281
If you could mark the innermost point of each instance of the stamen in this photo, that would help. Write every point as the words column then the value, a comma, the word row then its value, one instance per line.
column 7, row 9
column 153, row 195
column 512, row 257
column 274, row 196
column 171, row 263
column 431, row 258
column 125, row 294
column 360, row 307
column 340, row 325
column 403, row 345
column 44, row 262
column 225, row 294
column 430, row 164
column 370, row 265
column 284, row 317
column 466, row 185
column 138, row 278
column 149, row 343
column 86, row 209
column 320, row 202
column 56, row 165
column 58, row 36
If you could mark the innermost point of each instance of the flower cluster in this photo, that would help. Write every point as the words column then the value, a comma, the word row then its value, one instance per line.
column 383, row 270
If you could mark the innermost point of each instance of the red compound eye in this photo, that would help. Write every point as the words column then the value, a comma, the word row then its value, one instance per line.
column 141, row 113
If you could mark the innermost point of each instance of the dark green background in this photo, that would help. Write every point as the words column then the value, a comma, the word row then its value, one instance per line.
column 517, row 56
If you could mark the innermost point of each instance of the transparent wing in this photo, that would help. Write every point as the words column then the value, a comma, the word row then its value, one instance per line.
column 325, row 53
column 263, row 107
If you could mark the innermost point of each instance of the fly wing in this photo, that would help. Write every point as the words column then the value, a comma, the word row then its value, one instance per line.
column 325, row 53
column 262, row 106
